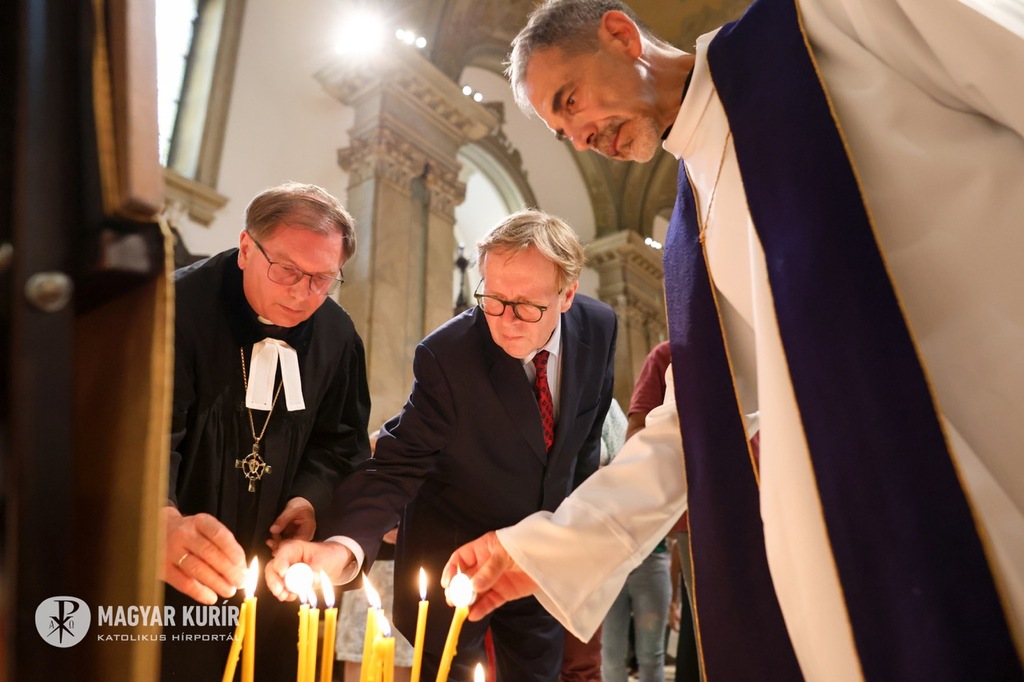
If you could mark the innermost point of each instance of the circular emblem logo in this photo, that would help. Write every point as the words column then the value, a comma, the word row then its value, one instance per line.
column 63, row 621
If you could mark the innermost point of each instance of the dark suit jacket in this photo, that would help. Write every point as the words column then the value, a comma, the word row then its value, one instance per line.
column 466, row 453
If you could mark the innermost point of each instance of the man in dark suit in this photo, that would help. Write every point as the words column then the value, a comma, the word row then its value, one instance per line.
column 471, row 450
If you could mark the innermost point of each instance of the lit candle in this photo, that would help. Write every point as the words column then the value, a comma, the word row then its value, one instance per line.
column 421, row 629
column 384, row 651
column 300, row 674
column 366, row 672
column 314, row 631
column 236, row 646
column 461, row 595
column 249, row 640
column 298, row 580
column 478, row 674
column 330, row 629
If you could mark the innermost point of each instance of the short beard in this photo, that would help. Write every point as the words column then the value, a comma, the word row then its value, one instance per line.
column 642, row 146
column 646, row 140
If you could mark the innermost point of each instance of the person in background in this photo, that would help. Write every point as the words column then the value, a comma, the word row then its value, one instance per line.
column 646, row 597
column 581, row 661
column 648, row 393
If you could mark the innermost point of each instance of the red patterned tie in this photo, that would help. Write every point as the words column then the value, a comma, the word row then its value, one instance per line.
column 543, row 393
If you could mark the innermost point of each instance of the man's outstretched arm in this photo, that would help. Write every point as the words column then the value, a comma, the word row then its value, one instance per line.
column 576, row 559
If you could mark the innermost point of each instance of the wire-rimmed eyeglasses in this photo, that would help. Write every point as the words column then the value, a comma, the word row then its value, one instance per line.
column 282, row 273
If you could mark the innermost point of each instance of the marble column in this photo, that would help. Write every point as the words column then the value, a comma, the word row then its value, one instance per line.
column 631, row 282
column 410, row 121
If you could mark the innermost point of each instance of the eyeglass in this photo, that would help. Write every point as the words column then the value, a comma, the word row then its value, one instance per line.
column 281, row 273
column 492, row 305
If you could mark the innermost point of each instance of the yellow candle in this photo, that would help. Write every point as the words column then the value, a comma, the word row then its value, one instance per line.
column 330, row 629
column 377, row 664
column 236, row 647
column 384, row 651
column 249, row 641
column 450, row 643
column 387, row 659
column 366, row 670
column 421, row 629
column 460, row 593
column 314, row 632
column 300, row 674
column 298, row 580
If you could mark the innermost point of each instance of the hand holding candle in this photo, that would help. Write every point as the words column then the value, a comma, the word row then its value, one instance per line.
column 330, row 629
column 421, row 629
column 460, row 594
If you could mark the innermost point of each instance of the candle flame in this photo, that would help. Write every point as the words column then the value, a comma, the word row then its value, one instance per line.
column 327, row 589
column 298, row 580
column 311, row 598
column 478, row 674
column 383, row 626
column 252, row 577
column 423, row 583
column 460, row 590
column 372, row 597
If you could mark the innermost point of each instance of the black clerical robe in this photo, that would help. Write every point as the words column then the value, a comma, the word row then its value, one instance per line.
column 309, row 451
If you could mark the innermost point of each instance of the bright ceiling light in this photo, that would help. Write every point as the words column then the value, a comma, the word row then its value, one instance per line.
column 361, row 34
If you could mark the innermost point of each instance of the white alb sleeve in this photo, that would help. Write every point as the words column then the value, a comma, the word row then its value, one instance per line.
column 581, row 554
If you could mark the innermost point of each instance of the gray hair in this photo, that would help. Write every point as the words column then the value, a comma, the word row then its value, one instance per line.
column 304, row 205
column 548, row 234
column 569, row 25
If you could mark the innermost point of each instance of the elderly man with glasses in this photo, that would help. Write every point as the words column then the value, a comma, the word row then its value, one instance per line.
column 270, row 414
column 504, row 419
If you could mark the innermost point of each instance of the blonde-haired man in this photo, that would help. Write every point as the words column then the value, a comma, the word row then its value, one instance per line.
column 504, row 419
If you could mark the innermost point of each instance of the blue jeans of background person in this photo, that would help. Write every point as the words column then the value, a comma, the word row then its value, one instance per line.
column 646, row 595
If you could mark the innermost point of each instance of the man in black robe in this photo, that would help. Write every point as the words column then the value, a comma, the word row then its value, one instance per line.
column 270, row 414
